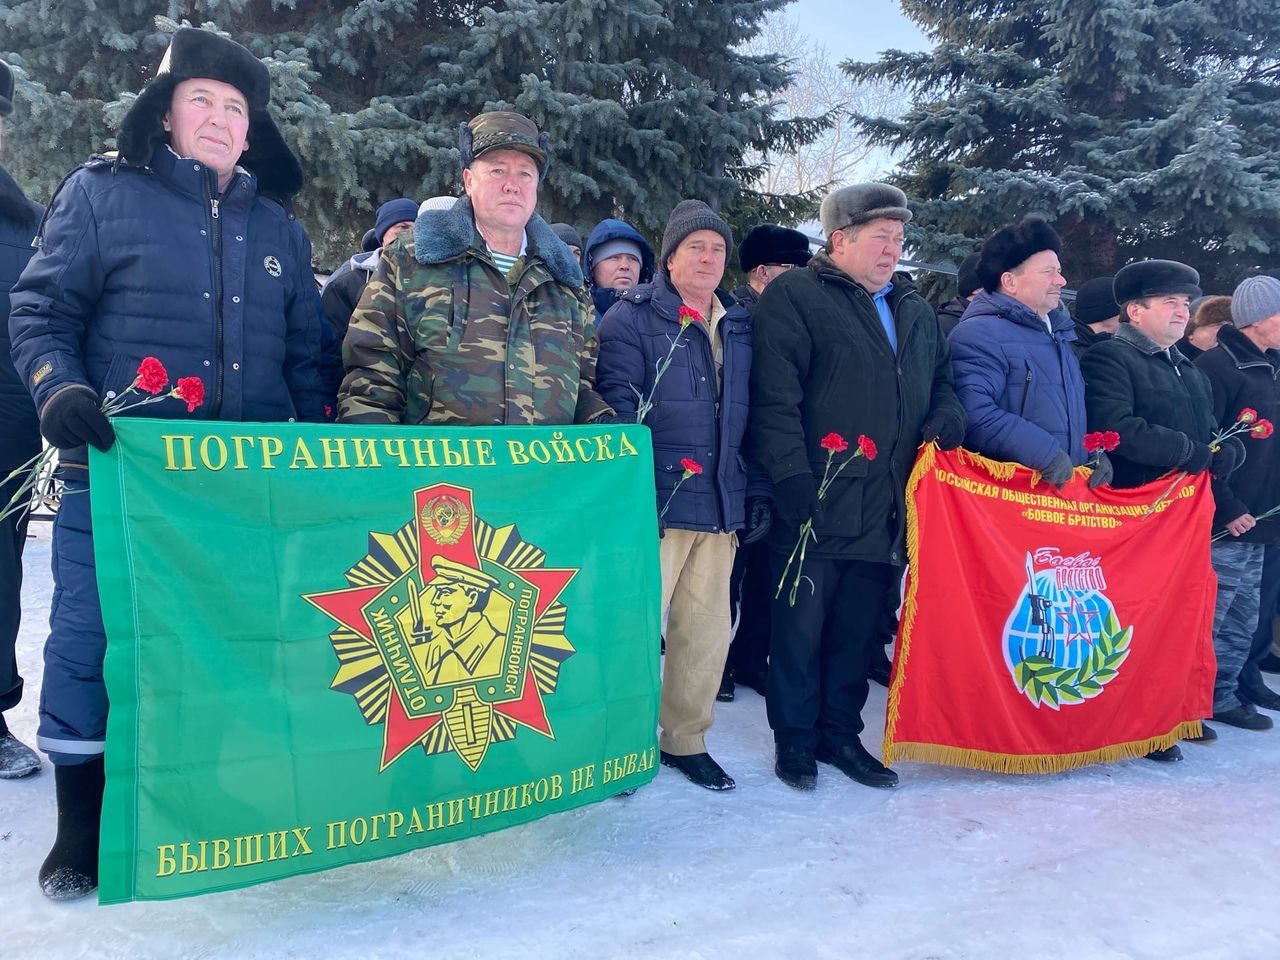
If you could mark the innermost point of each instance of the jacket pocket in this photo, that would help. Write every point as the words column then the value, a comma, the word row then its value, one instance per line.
column 842, row 504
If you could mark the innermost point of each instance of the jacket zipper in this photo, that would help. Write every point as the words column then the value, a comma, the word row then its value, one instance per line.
column 216, row 235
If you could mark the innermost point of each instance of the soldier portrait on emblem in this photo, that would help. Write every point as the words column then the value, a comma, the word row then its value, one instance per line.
column 461, row 625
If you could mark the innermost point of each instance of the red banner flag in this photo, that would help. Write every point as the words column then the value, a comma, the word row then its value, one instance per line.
column 1046, row 629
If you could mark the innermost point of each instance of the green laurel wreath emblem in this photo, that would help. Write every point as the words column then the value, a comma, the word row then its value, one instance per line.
column 1044, row 682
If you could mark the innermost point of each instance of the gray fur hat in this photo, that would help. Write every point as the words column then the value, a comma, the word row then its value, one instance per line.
column 862, row 203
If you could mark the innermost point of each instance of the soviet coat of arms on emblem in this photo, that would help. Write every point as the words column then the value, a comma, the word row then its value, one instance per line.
column 1063, row 642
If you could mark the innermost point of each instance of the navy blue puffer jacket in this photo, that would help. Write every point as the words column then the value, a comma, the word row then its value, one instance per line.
column 1020, row 384
column 692, row 417
column 19, row 218
column 150, row 261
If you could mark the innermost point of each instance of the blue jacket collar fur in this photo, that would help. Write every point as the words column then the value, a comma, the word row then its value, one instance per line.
column 441, row 235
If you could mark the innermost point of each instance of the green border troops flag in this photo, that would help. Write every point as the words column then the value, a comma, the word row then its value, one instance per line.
column 330, row 644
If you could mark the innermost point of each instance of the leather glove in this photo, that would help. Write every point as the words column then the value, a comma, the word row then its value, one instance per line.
column 796, row 500
column 944, row 427
column 1103, row 473
column 1229, row 456
column 607, row 418
column 72, row 417
column 759, row 519
column 1059, row 471
column 1199, row 460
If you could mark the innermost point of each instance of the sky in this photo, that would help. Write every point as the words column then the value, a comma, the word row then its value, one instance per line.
column 876, row 25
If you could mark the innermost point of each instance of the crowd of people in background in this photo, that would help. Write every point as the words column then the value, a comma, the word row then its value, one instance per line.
column 474, row 311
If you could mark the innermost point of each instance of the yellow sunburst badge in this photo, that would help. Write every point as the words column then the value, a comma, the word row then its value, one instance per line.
column 450, row 631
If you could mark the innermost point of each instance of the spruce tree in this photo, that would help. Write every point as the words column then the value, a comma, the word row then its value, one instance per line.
column 646, row 101
column 1140, row 128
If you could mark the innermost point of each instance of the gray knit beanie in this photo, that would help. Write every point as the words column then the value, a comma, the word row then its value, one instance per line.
column 688, row 217
column 1255, row 299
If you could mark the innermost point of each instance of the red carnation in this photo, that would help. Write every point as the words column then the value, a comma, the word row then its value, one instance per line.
column 190, row 389
column 1247, row 415
column 866, row 446
column 152, row 376
column 834, row 442
column 1262, row 429
column 1093, row 442
column 1110, row 440
column 689, row 315
column 691, row 467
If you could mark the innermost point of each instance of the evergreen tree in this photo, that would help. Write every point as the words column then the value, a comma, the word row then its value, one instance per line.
column 1141, row 128
column 646, row 101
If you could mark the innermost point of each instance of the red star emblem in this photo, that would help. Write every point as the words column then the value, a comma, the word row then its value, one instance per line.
column 402, row 730
column 1078, row 611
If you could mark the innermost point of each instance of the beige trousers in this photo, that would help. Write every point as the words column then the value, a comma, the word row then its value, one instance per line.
column 695, row 588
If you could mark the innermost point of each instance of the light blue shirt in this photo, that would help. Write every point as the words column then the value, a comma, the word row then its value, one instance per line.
column 881, row 300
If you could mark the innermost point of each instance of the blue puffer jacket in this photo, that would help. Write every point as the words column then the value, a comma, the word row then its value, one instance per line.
column 603, row 232
column 691, row 416
column 142, row 261
column 19, row 434
column 1020, row 385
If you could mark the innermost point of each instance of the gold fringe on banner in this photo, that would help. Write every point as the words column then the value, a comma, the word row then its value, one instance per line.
column 1042, row 762
column 924, row 463
column 981, row 759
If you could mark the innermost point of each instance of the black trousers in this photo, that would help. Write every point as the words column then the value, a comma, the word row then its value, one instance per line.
column 13, row 536
column 751, row 587
column 820, row 650
column 1250, row 674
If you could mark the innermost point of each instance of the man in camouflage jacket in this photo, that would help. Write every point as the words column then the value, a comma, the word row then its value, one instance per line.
column 480, row 317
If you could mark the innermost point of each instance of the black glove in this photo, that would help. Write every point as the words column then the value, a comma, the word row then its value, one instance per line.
column 1229, row 456
column 759, row 519
column 1103, row 473
column 1199, row 460
column 72, row 417
column 944, row 427
column 1059, row 471
column 606, row 418
column 795, row 500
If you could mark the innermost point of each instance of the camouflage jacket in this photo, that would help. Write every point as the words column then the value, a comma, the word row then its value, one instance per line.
column 440, row 336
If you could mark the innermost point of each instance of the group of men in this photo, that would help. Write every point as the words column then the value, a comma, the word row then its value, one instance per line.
column 474, row 311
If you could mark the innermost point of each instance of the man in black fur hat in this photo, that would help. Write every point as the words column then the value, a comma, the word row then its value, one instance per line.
column 765, row 253
column 1015, row 371
column 170, row 249
column 1139, row 385
column 19, row 442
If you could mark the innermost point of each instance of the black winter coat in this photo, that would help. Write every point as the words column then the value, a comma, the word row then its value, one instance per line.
column 19, row 429
column 1086, row 337
column 949, row 314
column 1244, row 376
column 1158, row 402
column 823, row 364
column 691, row 417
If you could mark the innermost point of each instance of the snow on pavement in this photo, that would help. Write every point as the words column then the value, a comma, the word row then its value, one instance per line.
column 1130, row 860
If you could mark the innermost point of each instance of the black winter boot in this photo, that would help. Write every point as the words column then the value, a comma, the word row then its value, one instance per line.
column 71, row 869
column 17, row 760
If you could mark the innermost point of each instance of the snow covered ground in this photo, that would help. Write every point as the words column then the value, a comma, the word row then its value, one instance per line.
column 1134, row 860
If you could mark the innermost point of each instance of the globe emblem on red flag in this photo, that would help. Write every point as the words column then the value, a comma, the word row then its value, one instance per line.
column 1063, row 641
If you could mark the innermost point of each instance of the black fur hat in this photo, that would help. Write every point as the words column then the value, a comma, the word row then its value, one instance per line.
column 1012, row 245
column 1151, row 278
column 194, row 54
column 768, row 243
